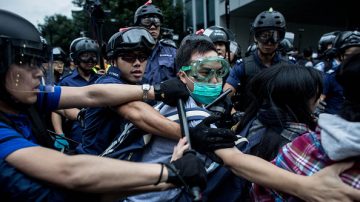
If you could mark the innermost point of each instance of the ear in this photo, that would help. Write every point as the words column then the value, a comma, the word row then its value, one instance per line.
column 182, row 76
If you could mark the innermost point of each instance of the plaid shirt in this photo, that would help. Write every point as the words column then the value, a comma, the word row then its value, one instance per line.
column 304, row 156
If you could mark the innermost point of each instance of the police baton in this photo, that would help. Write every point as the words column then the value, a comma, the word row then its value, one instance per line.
column 195, row 191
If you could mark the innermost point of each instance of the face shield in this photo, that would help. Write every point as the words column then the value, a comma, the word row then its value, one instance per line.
column 203, row 70
column 30, row 67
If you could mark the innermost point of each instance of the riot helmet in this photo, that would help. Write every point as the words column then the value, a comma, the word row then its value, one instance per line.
column 251, row 48
column 22, row 45
column 326, row 40
column 147, row 10
column 269, row 20
column 58, row 54
column 285, row 46
column 217, row 34
column 82, row 45
column 134, row 38
column 346, row 40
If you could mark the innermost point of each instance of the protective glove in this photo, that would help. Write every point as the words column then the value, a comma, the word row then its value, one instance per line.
column 204, row 139
column 187, row 171
column 170, row 91
column 223, row 109
column 61, row 143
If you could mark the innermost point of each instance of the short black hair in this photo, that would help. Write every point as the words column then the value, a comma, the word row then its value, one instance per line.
column 188, row 48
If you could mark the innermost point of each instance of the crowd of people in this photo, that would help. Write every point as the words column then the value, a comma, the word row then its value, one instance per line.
column 264, row 127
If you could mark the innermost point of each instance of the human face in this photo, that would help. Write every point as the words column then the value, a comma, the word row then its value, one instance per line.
column 22, row 82
column 58, row 66
column 152, row 24
column 189, row 80
column 220, row 48
column 268, row 41
column 132, row 66
column 87, row 60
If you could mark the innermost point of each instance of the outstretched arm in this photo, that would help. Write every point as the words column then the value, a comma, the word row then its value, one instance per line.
column 322, row 186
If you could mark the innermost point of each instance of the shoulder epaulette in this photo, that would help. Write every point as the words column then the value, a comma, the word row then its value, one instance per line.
column 168, row 42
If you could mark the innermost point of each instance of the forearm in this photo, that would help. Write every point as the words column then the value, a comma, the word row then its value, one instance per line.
column 101, row 95
column 71, row 113
column 262, row 172
column 84, row 172
column 150, row 120
column 57, row 123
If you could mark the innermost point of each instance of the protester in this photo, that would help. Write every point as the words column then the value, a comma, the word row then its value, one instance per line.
column 336, row 139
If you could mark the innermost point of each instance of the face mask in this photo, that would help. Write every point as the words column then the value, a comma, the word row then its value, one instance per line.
column 205, row 93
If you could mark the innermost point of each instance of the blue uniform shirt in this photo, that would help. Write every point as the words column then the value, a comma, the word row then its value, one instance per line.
column 74, row 79
column 161, row 64
column 102, row 124
column 14, row 185
column 238, row 70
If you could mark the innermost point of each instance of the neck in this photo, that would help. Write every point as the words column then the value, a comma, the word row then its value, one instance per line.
column 85, row 74
column 8, row 109
column 266, row 58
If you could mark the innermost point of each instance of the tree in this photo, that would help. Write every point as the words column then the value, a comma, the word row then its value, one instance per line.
column 60, row 30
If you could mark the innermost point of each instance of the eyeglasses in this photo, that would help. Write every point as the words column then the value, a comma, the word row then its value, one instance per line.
column 205, row 69
column 147, row 22
column 132, row 58
column 267, row 36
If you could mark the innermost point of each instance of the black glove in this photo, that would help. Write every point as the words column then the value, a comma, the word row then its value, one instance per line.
column 223, row 109
column 170, row 91
column 187, row 171
column 205, row 139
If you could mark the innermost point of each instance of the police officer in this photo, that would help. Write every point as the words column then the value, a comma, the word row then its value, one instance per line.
column 221, row 39
column 32, row 172
column 324, row 60
column 345, row 44
column 268, row 29
column 127, row 51
column 160, row 64
column 85, row 54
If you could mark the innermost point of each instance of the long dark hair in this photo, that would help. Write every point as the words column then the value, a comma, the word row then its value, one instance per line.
column 349, row 78
column 286, row 90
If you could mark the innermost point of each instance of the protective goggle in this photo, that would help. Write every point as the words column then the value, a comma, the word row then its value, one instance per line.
column 88, row 58
column 138, row 35
column 204, row 69
column 131, row 58
column 149, row 21
column 267, row 36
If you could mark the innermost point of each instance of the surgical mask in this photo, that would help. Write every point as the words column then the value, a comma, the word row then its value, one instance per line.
column 205, row 93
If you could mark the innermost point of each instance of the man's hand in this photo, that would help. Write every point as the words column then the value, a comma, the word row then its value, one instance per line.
column 326, row 185
column 205, row 139
column 187, row 171
column 171, row 91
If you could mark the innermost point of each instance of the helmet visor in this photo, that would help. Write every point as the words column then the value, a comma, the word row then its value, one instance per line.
column 205, row 69
column 30, row 71
column 267, row 36
column 141, row 37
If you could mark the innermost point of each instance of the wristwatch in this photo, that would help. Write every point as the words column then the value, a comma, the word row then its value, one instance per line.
column 145, row 88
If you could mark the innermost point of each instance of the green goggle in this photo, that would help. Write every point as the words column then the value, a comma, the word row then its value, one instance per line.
column 205, row 69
